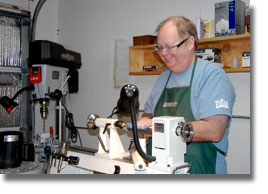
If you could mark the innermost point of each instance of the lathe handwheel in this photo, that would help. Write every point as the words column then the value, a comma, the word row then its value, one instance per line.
column 91, row 121
column 186, row 131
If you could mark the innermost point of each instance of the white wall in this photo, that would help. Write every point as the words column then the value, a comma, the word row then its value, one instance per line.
column 240, row 134
column 47, row 22
column 91, row 26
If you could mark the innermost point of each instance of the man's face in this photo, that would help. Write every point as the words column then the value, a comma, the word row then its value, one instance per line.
column 176, row 59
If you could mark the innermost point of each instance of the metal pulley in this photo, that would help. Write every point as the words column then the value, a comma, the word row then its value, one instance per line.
column 185, row 130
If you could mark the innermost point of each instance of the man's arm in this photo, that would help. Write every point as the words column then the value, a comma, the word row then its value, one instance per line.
column 210, row 129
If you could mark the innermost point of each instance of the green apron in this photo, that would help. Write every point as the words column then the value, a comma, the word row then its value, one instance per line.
column 201, row 156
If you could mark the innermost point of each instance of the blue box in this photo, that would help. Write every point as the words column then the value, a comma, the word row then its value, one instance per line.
column 230, row 18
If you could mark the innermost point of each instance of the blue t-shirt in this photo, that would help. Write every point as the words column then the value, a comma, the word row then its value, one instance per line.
column 212, row 94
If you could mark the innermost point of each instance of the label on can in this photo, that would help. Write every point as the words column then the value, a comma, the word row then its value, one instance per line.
column 11, row 138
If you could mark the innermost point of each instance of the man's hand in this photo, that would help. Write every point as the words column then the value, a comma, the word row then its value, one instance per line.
column 146, row 119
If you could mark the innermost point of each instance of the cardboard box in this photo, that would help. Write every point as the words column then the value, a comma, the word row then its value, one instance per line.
column 209, row 29
column 199, row 24
column 230, row 18
column 144, row 40
column 246, row 59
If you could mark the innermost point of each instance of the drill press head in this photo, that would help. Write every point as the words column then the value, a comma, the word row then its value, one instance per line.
column 47, row 79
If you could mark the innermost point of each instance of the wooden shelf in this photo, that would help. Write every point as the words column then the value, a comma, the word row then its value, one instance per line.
column 140, row 56
column 224, row 38
column 237, row 70
column 146, row 73
column 231, row 46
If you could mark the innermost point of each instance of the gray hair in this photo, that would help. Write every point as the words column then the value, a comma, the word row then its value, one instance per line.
column 184, row 27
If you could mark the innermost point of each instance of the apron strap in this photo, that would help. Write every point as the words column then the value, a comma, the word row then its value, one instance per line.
column 192, row 76
column 168, row 79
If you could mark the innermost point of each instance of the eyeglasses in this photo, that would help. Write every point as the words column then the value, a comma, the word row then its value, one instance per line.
column 168, row 48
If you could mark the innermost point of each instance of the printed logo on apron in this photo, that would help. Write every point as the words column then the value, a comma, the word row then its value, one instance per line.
column 170, row 104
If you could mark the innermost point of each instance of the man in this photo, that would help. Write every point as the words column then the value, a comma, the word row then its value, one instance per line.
column 195, row 89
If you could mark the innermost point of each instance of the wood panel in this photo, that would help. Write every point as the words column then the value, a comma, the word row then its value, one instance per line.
column 140, row 56
column 231, row 46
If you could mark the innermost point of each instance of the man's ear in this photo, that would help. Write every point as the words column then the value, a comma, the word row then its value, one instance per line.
column 191, row 42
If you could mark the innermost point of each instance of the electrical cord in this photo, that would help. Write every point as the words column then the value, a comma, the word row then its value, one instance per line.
column 114, row 111
column 29, row 88
column 135, row 135
column 70, row 125
column 181, row 167
column 74, row 132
